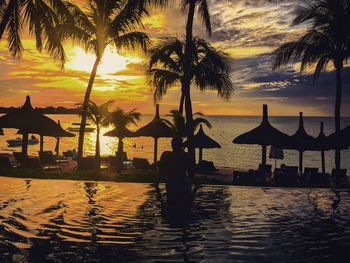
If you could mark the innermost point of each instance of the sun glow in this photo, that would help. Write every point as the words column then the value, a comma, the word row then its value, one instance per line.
column 111, row 62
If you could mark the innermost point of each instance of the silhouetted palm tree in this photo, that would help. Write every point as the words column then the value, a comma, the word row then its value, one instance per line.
column 210, row 68
column 121, row 119
column 178, row 123
column 189, row 47
column 40, row 18
column 99, row 115
column 326, row 40
column 99, row 24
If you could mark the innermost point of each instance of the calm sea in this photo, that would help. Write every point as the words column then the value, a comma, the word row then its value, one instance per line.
column 225, row 128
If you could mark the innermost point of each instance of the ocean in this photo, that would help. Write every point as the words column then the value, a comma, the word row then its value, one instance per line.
column 225, row 129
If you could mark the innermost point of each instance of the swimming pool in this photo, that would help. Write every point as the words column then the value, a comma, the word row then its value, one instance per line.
column 71, row 221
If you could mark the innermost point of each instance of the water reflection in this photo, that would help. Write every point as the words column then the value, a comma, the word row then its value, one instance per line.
column 65, row 221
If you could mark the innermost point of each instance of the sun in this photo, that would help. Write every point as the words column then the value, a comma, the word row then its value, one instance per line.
column 111, row 62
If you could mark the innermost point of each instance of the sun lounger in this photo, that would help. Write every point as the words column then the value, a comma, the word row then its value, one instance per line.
column 20, row 157
column 141, row 164
column 124, row 156
column 34, row 163
column 90, row 164
column 47, row 158
column 286, row 177
column 244, row 178
column 206, row 167
column 116, row 162
column 338, row 177
column 312, row 177
column 5, row 161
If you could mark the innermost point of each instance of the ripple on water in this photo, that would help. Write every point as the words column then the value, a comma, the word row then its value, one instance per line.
column 60, row 221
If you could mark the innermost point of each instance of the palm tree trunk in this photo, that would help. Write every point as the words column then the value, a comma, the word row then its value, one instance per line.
column 97, row 149
column 25, row 142
column 187, row 83
column 182, row 101
column 85, row 107
column 120, row 145
column 12, row 4
column 337, row 113
column 41, row 143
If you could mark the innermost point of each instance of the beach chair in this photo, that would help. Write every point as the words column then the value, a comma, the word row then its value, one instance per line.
column 5, row 161
column 124, row 156
column 244, row 178
column 141, row 164
column 338, row 177
column 206, row 167
column 312, row 177
column 47, row 158
column 286, row 177
column 20, row 157
column 34, row 163
column 116, row 163
column 90, row 164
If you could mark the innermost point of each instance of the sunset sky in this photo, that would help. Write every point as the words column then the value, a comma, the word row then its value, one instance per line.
column 248, row 30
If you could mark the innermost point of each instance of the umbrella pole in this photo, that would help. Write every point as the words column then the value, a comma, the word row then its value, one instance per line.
column 25, row 143
column 263, row 155
column 300, row 162
column 323, row 162
column 200, row 157
column 155, row 149
column 41, row 143
column 57, row 146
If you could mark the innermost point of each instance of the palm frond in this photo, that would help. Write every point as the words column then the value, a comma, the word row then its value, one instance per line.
column 160, row 80
column 199, row 121
column 132, row 40
column 203, row 11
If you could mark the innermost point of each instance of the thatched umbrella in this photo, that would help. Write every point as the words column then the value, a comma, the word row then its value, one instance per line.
column 265, row 134
column 202, row 141
column 157, row 128
column 120, row 134
column 340, row 140
column 27, row 118
column 301, row 141
column 58, row 132
column 322, row 145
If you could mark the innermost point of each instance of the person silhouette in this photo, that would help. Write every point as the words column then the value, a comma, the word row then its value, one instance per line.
column 175, row 167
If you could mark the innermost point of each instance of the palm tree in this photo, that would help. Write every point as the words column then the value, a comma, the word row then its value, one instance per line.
column 178, row 123
column 40, row 18
column 326, row 40
column 99, row 115
column 99, row 24
column 203, row 11
column 210, row 68
column 121, row 119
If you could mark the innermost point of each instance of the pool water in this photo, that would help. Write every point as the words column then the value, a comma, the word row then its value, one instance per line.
column 71, row 221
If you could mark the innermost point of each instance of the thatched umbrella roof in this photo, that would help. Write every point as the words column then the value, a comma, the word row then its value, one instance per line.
column 340, row 140
column 157, row 128
column 265, row 134
column 58, row 132
column 27, row 118
column 202, row 141
column 301, row 141
column 120, row 133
